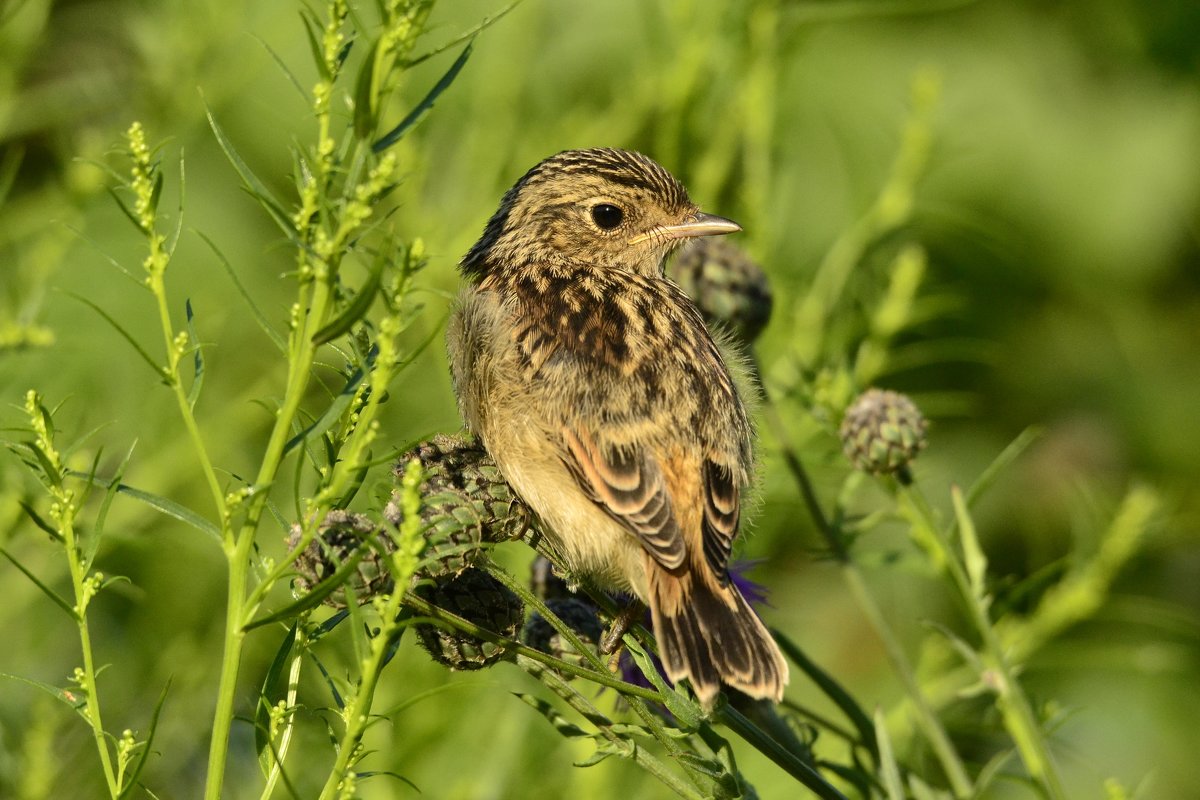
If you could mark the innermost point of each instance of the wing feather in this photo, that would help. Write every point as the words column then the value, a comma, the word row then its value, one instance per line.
column 629, row 486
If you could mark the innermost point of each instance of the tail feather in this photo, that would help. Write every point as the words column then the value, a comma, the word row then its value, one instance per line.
column 710, row 635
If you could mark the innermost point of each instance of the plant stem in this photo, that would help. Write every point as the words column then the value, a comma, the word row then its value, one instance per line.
column 79, row 577
column 943, row 749
column 238, row 549
column 1019, row 718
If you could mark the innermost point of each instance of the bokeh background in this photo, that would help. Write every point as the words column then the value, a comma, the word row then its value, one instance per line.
column 1060, row 208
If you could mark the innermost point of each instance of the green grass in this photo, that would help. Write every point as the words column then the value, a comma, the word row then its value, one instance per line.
column 991, row 207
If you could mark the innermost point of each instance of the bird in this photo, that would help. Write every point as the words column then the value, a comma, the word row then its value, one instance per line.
column 609, row 407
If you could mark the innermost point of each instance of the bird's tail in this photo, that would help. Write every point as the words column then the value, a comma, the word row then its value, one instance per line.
column 708, row 634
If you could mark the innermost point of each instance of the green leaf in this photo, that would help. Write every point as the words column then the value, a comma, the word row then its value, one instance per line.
column 40, row 463
column 158, row 503
column 259, row 317
column 313, row 28
column 462, row 37
column 415, row 116
column 154, row 365
column 332, row 414
column 279, row 62
column 889, row 769
column 257, row 189
column 274, row 688
column 356, row 310
column 319, row 592
column 139, row 763
column 46, row 590
column 1006, row 457
column 364, row 114
column 174, row 240
column 552, row 715
column 41, row 523
column 973, row 554
column 197, row 358
column 72, row 699
column 832, row 689
column 124, row 208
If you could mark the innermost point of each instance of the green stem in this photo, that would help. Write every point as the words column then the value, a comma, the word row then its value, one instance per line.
column 1019, row 718
column 158, row 288
column 943, row 749
column 88, row 683
column 237, row 550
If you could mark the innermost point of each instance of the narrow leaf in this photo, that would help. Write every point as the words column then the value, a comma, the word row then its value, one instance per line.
column 71, row 699
column 1006, row 457
column 197, row 358
column 414, row 116
column 259, row 317
column 887, row 760
column 973, row 555
column 364, row 114
column 318, row 593
column 46, row 590
column 462, row 37
column 147, row 747
column 41, row 523
column 312, row 27
column 160, row 504
column 257, row 189
column 43, row 463
column 552, row 715
column 832, row 689
column 357, row 309
column 279, row 62
column 332, row 414
column 273, row 689
column 121, row 330
column 124, row 208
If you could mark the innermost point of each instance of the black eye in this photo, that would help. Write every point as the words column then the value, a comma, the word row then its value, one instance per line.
column 607, row 216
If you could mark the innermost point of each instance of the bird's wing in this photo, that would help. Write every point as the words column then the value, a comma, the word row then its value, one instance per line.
column 722, row 511
column 629, row 486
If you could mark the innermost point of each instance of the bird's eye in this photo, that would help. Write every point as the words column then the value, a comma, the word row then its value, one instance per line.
column 607, row 216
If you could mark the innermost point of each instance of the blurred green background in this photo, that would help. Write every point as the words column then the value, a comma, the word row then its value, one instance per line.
column 1060, row 209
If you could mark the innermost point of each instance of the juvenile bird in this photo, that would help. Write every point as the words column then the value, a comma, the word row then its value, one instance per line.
column 608, row 407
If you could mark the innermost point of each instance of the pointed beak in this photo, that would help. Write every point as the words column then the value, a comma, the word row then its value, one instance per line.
column 698, row 224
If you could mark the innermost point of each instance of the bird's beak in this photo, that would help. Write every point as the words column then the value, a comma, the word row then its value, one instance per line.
column 698, row 224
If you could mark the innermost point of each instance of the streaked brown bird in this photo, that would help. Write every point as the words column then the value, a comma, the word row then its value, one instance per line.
column 609, row 408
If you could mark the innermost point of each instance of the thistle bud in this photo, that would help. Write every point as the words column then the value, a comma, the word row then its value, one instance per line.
column 338, row 537
column 727, row 286
column 478, row 598
column 882, row 432
column 579, row 616
column 465, row 502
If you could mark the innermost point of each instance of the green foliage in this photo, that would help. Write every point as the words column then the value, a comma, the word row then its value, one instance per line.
column 989, row 206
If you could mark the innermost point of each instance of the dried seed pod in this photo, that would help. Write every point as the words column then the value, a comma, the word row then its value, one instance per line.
column 882, row 432
column 338, row 537
column 727, row 286
column 478, row 598
column 580, row 616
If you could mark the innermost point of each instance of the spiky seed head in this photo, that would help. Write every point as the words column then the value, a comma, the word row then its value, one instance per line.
column 729, row 288
column 882, row 432
column 464, row 503
column 578, row 615
column 340, row 536
column 479, row 598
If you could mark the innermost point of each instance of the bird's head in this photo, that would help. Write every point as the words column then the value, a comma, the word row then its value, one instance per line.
column 602, row 207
